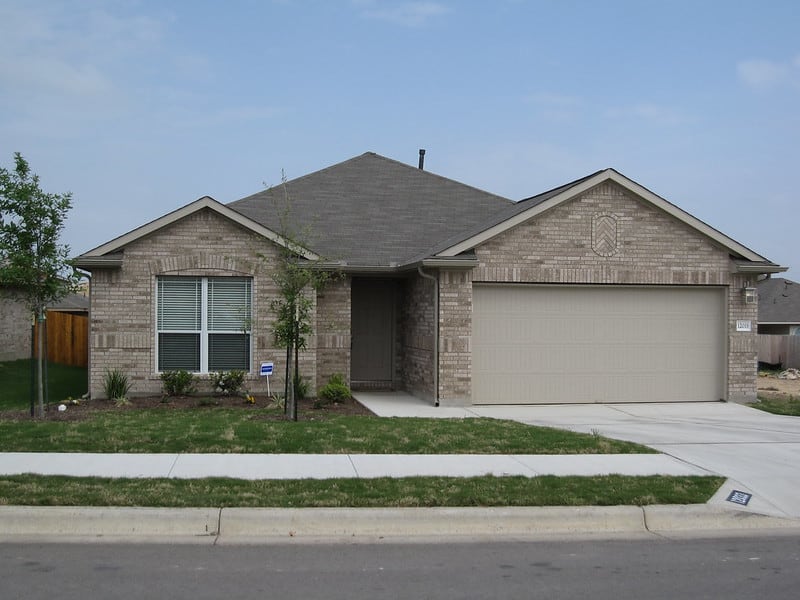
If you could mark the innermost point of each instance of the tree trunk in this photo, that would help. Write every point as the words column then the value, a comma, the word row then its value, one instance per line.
column 40, row 365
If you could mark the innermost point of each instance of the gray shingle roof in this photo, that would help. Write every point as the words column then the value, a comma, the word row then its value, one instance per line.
column 778, row 301
column 372, row 210
column 503, row 215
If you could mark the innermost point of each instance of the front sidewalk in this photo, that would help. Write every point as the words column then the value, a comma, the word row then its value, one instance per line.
column 330, row 466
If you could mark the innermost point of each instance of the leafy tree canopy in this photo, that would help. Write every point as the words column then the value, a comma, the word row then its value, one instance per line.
column 32, row 261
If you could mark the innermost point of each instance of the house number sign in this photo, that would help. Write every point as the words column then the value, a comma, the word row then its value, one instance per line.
column 744, row 326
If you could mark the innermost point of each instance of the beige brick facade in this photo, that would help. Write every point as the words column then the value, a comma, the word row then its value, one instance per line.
column 333, row 330
column 15, row 327
column 649, row 247
column 123, row 309
column 417, row 335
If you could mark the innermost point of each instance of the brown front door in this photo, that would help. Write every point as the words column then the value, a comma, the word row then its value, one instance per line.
column 372, row 321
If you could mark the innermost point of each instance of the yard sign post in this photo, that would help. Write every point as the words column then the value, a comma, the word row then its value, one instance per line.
column 266, row 371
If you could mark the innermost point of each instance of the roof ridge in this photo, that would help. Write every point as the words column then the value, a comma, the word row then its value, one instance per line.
column 388, row 160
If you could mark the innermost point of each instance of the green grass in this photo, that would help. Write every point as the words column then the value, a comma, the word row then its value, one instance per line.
column 787, row 406
column 63, row 382
column 611, row 490
column 243, row 430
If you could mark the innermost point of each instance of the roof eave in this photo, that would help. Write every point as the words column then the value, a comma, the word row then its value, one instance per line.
column 107, row 261
column 757, row 268
column 176, row 215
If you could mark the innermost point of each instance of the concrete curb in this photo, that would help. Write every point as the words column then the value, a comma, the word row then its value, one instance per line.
column 703, row 517
column 427, row 522
column 252, row 525
column 107, row 521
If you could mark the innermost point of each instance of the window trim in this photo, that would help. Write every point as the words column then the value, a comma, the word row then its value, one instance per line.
column 204, row 331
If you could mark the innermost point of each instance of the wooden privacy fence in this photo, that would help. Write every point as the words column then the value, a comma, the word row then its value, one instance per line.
column 781, row 350
column 67, row 339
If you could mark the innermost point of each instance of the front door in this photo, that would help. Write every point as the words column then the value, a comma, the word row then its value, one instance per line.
column 372, row 321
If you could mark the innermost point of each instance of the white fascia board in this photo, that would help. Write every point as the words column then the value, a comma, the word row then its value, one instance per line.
column 185, row 211
column 584, row 186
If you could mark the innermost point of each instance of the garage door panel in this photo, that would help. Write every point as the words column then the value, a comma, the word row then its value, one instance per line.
column 561, row 344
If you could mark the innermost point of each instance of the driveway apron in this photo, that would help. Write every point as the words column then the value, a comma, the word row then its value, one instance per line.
column 759, row 452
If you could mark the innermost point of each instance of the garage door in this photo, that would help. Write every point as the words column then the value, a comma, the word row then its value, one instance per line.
column 578, row 344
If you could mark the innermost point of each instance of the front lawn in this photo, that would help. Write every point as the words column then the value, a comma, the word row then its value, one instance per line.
column 263, row 430
column 610, row 490
column 63, row 382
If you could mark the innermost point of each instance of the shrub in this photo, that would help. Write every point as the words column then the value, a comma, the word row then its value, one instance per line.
column 228, row 382
column 177, row 383
column 116, row 385
column 300, row 388
column 335, row 390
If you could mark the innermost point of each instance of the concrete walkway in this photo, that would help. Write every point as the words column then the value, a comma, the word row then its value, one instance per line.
column 758, row 452
column 327, row 466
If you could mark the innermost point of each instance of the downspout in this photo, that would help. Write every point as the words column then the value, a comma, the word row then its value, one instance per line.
column 435, row 280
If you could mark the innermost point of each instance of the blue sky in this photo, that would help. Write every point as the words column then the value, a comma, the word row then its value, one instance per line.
column 140, row 107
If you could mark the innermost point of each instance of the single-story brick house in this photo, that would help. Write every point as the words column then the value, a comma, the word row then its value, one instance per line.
column 596, row 291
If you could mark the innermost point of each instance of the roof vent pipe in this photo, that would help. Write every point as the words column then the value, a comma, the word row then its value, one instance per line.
column 422, row 159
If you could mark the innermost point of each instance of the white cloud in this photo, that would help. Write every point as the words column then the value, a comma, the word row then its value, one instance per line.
column 764, row 74
column 409, row 14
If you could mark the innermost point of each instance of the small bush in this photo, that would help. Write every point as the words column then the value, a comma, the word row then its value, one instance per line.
column 116, row 385
column 335, row 390
column 177, row 383
column 227, row 382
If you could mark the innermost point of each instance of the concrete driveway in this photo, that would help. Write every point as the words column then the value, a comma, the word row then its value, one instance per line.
column 758, row 452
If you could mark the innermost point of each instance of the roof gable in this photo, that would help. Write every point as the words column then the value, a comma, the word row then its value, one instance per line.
column 206, row 202
column 536, row 205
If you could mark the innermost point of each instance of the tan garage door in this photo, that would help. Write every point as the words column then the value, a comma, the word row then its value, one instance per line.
column 576, row 344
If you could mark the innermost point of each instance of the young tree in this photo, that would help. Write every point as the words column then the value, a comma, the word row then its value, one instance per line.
column 296, row 279
column 32, row 261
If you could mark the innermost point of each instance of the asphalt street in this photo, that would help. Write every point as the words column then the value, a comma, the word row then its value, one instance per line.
column 656, row 568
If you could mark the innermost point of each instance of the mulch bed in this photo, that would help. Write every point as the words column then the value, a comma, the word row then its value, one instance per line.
column 87, row 408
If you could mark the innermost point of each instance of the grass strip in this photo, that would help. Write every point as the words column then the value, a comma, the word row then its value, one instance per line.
column 779, row 406
column 609, row 490
column 221, row 430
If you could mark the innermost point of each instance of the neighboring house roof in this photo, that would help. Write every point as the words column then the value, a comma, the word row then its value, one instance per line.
column 71, row 303
column 778, row 301
column 372, row 212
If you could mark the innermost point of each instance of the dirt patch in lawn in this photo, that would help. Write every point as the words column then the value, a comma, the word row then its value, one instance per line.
column 262, row 408
column 770, row 386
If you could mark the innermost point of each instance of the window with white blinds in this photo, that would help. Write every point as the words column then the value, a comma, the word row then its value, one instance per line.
column 203, row 323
